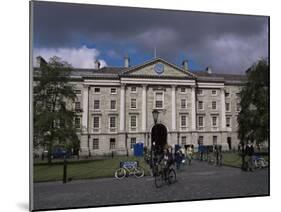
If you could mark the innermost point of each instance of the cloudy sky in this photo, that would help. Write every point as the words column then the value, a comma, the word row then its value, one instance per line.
column 80, row 34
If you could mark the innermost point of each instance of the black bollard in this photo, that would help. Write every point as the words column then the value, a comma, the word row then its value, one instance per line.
column 64, row 170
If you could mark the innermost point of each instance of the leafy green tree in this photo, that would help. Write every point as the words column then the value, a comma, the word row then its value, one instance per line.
column 53, row 107
column 253, row 118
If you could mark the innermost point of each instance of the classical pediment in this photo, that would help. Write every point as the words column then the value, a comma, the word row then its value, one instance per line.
column 157, row 68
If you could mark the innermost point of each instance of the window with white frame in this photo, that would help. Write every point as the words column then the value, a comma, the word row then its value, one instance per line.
column 228, row 121
column 113, row 90
column 113, row 104
column 133, row 142
column 133, row 122
column 183, row 104
column 200, row 121
column 238, row 108
column 183, row 121
column 215, row 140
column 133, row 89
column 96, row 104
column 133, row 103
column 96, row 90
column 112, row 143
column 200, row 140
column 200, row 105
column 183, row 140
column 159, row 100
column 95, row 143
column 112, row 122
column 96, row 122
column 214, row 92
column 183, row 90
column 77, row 105
column 227, row 106
column 214, row 105
column 214, row 121
column 200, row 92
column 77, row 122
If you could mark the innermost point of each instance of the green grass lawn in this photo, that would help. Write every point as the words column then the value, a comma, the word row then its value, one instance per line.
column 234, row 159
column 83, row 169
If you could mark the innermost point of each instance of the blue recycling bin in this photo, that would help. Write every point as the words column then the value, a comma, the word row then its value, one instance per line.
column 138, row 150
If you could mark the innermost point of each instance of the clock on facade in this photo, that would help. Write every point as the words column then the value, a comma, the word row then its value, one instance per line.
column 159, row 68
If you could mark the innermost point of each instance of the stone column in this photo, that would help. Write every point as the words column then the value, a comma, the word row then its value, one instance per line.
column 122, row 108
column 193, row 109
column 173, row 108
column 222, row 110
column 143, row 111
column 85, row 108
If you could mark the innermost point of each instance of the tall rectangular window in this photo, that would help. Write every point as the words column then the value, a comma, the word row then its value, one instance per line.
column 112, row 143
column 215, row 140
column 183, row 121
column 113, row 104
column 96, row 122
column 200, row 105
column 214, row 121
column 77, row 106
column 214, row 105
column 95, row 143
column 238, row 107
column 96, row 104
column 77, row 121
column 228, row 120
column 183, row 103
column 159, row 100
column 133, row 142
column 227, row 106
column 201, row 121
column 112, row 122
column 133, row 103
column 133, row 121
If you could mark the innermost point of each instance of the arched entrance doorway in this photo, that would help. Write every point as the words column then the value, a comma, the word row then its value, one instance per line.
column 159, row 136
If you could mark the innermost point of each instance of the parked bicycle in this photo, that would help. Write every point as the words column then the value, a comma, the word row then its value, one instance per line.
column 129, row 168
column 164, row 175
column 260, row 162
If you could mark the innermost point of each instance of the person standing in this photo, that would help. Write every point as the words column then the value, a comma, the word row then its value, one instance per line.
column 189, row 154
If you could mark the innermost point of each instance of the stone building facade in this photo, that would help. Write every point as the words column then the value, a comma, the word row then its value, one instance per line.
column 115, row 106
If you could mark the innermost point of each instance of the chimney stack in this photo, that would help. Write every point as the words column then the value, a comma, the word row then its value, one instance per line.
column 126, row 61
column 97, row 64
column 185, row 65
column 209, row 70
column 40, row 62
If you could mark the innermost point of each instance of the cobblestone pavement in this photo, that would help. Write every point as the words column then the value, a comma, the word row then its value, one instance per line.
column 198, row 181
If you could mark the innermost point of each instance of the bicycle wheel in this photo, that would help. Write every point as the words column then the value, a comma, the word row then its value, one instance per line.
column 120, row 173
column 172, row 177
column 158, row 179
column 139, row 172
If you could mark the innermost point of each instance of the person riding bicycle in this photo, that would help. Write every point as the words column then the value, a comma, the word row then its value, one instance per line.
column 167, row 160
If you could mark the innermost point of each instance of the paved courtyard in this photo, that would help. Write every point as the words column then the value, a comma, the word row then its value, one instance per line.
column 198, row 181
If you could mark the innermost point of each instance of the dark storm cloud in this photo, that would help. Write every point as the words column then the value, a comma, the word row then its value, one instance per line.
column 227, row 42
